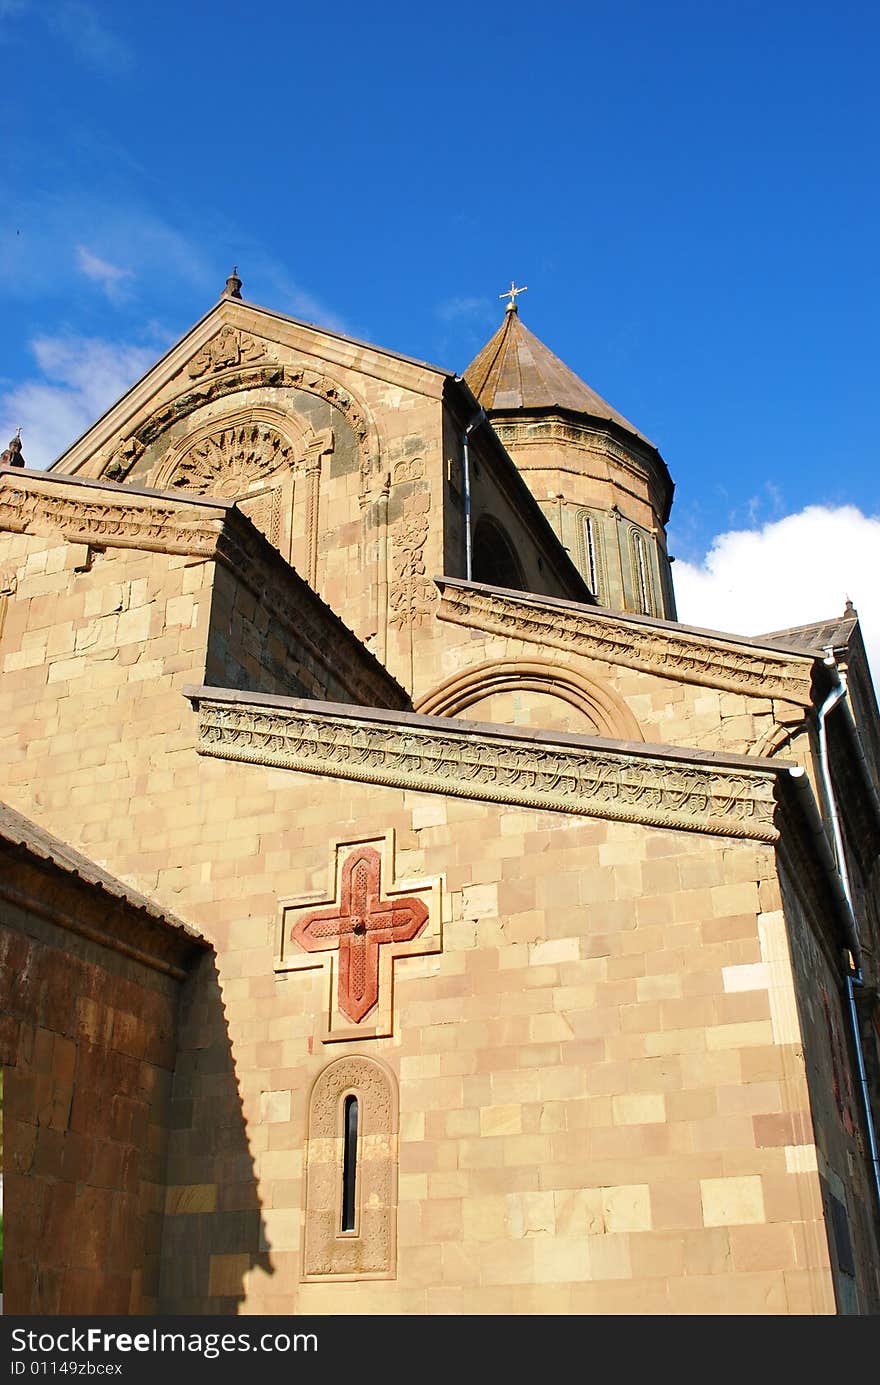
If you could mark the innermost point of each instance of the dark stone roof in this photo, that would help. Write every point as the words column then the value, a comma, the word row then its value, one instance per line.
column 517, row 371
column 47, row 849
column 834, row 633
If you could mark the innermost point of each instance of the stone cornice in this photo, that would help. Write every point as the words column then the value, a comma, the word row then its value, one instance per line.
column 109, row 515
column 663, row 648
column 658, row 786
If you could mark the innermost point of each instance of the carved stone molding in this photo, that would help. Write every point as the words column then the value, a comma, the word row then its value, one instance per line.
column 637, row 458
column 414, row 753
column 669, row 652
column 608, row 713
column 369, row 1250
column 166, row 529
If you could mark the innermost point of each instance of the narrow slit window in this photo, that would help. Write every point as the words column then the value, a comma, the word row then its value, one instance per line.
column 349, row 1162
column 590, row 539
column 644, row 593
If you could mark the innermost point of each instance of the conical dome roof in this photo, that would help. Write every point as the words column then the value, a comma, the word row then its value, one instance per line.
column 517, row 371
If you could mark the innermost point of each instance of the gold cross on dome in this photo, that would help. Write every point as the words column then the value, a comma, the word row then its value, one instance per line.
column 511, row 293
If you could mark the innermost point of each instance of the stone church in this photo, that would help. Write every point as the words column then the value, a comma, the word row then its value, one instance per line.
column 400, row 910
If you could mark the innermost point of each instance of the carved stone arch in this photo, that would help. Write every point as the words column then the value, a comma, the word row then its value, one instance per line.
column 774, row 739
column 369, row 1251
column 240, row 451
column 591, row 551
column 642, row 568
column 355, row 410
column 607, row 712
column 223, row 381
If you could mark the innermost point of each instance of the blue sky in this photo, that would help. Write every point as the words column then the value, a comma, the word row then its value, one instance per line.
column 690, row 192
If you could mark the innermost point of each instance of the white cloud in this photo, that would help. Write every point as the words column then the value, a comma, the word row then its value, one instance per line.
column 794, row 570
column 452, row 309
column 110, row 276
column 80, row 377
column 82, row 27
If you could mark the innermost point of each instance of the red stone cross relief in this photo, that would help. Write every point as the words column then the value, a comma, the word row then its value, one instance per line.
column 361, row 924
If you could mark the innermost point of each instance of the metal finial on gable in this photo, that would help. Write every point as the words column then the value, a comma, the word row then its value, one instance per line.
column 12, row 456
column 233, row 284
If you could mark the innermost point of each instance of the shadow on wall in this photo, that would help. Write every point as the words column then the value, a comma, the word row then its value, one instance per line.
column 212, row 1231
column 118, row 1081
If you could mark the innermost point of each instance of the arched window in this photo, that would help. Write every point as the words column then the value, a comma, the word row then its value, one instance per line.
column 351, row 1172
column 643, row 584
column 592, row 554
column 494, row 561
column 349, row 1162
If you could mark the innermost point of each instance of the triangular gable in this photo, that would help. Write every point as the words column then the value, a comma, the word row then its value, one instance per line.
column 239, row 335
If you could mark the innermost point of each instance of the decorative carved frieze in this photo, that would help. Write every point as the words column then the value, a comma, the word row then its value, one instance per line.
column 627, row 787
column 669, row 652
column 168, row 529
column 228, row 348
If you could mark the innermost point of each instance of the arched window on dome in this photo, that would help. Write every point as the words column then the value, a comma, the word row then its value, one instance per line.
column 642, row 575
column 494, row 559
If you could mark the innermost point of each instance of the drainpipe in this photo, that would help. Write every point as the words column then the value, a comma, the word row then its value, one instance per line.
column 838, row 692
column 466, row 486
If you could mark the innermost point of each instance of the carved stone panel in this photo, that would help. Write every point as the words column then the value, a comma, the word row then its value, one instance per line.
column 264, row 510
column 369, row 1249
column 356, row 934
column 412, row 593
column 228, row 348
column 666, row 790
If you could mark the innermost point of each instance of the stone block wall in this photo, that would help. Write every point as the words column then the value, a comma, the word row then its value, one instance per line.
column 591, row 1086
column 88, row 1044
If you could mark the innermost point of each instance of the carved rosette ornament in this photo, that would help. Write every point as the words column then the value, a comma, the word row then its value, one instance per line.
column 227, row 462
